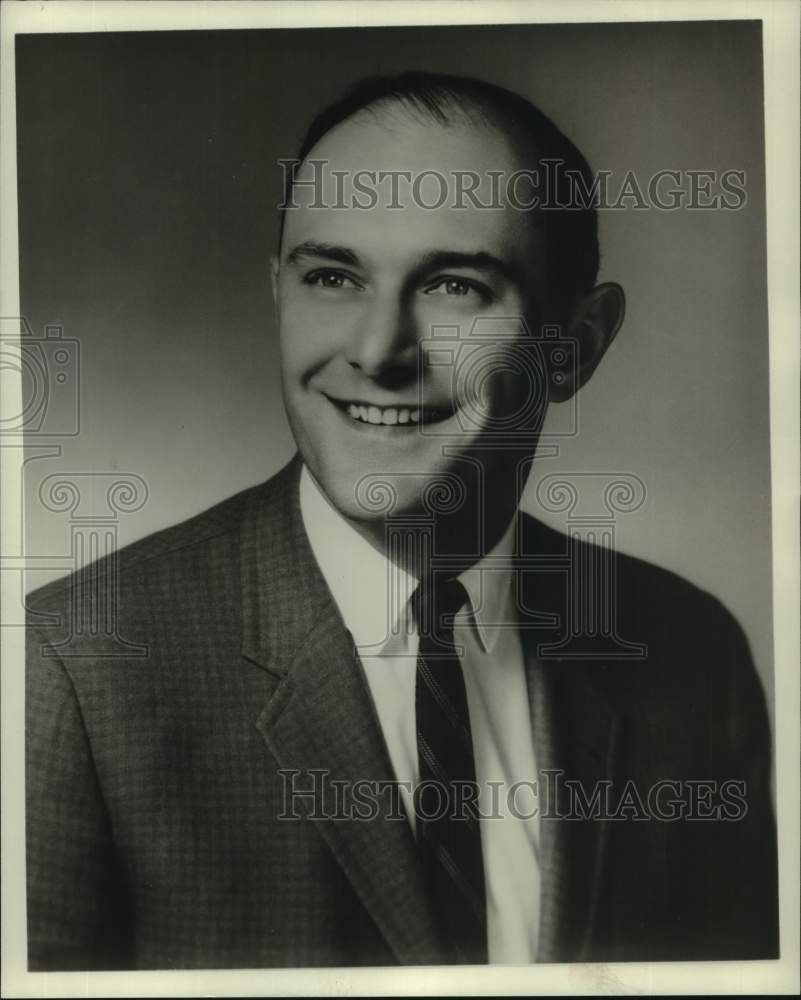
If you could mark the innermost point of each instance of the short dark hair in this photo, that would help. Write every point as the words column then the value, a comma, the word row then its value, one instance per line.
column 572, row 231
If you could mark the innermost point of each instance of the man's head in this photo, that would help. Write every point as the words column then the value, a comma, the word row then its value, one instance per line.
column 410, row 311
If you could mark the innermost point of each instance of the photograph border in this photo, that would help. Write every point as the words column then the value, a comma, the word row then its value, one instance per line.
column 781, row 82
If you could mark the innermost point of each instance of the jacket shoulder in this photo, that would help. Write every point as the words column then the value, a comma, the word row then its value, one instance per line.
column 644, row 593
column 147, row 556
column 671, row 642
column 674, row 660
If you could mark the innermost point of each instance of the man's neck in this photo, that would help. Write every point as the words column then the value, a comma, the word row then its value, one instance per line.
column 450, row 543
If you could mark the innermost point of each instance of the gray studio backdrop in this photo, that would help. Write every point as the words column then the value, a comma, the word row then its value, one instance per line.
column 148, row 181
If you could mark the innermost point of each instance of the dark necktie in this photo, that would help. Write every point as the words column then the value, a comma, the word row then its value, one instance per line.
column 448, row 830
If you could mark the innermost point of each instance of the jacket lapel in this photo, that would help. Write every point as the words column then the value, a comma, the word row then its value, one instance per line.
column 576, row 737
column 321, row 717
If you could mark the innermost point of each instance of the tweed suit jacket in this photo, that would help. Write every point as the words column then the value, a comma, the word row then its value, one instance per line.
column 157, row 820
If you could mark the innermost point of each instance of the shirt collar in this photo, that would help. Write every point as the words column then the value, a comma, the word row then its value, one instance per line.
column 372, row 593
column 488, row 584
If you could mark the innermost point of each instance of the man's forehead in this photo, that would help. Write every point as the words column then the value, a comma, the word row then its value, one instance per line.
column 404, row 182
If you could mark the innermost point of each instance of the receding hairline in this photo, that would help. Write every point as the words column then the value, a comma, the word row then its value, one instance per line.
column 468, row 111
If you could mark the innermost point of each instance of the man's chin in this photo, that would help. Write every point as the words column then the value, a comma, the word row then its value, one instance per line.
column 420, row 482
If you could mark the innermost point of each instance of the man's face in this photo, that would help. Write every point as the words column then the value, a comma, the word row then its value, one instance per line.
column 360, row 292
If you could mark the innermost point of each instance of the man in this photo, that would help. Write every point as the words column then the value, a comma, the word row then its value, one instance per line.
column 369, row 727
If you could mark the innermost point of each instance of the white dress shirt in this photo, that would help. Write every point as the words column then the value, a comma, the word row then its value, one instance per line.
column 373, row 594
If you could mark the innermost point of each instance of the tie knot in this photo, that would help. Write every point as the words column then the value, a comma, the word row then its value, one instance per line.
column 435, row 601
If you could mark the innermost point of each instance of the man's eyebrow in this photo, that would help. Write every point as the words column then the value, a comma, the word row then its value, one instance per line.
column 479, row 260
column 310, row 248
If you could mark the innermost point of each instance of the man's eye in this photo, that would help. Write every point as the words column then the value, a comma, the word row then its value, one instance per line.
column 329, row 279
column 457, row 287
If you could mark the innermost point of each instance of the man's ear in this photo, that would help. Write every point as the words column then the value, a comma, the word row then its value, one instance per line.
column 594, row 320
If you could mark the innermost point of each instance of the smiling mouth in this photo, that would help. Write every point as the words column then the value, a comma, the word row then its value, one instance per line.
column 392, row 416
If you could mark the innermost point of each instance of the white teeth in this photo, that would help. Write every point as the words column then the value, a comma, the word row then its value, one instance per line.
column 389, row 416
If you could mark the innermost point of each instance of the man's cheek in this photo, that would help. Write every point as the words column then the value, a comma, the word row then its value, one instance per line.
column 299, row 306
column 303, row 345
column 314, row 331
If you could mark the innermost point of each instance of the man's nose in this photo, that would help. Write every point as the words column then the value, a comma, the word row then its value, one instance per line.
column 385, row 341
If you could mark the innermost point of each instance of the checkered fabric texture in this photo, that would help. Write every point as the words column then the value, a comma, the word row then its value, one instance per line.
column 156, row 784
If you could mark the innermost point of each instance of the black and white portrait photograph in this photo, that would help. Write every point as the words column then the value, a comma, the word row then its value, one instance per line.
column 400, row 560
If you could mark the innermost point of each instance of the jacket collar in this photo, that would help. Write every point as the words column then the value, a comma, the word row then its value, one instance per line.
column 282, row 591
